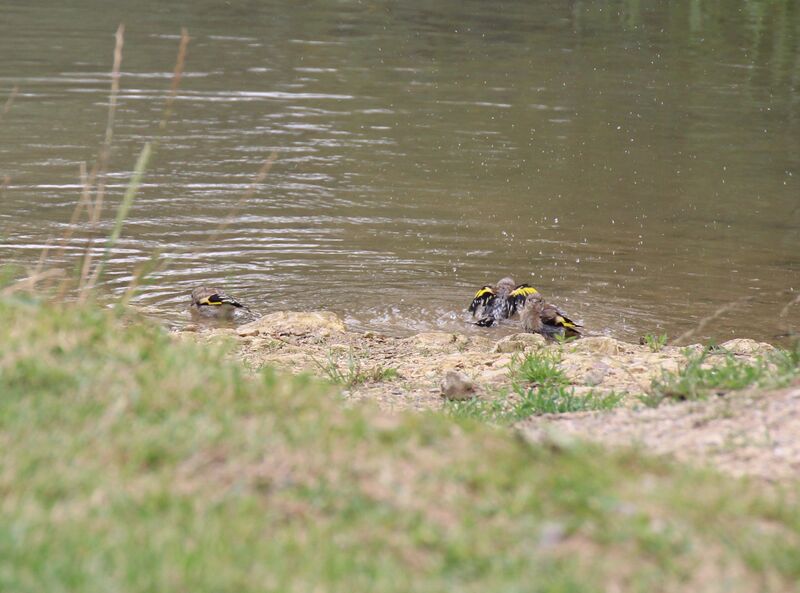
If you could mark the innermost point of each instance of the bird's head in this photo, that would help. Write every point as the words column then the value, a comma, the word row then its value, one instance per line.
column 505, row 286
column 535, row 300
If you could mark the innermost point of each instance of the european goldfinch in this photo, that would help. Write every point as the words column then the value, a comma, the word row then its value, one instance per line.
column 499, row 301
column 539, row 317
column 209, row 301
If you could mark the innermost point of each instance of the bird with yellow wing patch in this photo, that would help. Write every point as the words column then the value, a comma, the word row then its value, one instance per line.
column 500, row 301
column 208, row 301
column 540, row 317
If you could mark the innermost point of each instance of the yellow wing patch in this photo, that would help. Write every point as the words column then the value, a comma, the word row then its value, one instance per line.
column 518, row 295
column 523, row 290
column 214, row 299
column 565, row 322
column 482, row 298
column 484, row 292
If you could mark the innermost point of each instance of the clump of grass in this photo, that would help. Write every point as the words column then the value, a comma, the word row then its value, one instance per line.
column 495, row 410
column 562, row 339
column 543, row 388
column 351, row 372
column 702, row 375
column 655, row 342
column 540, row 368
column 561, row 400
column 381, row 373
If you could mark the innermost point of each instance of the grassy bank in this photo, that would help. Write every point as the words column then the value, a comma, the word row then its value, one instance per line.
column 135, row 463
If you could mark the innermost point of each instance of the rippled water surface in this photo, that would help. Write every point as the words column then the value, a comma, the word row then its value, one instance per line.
column 639, row 162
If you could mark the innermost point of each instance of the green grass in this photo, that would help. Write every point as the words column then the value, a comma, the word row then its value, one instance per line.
column 540, row 368
column 538, row 387
column 350, row 372
column 133, row 462
column 655, row 342
column 496, row 409
column 560, row 400
column 715, row 372
column 543, row 388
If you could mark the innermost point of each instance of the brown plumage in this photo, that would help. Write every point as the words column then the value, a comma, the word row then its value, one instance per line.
column 539, row 317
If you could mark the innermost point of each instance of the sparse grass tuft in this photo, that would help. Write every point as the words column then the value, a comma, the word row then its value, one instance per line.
column 542, row 388
column 561, row 400
column 521, row 403
column 655, row 342
column 351, row 371
column 561, row 339
column 706, row 374
column 497, row 409
column 381, row 373
column 540, row 368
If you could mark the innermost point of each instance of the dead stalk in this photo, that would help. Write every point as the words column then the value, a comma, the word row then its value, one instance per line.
column 785, row 311
column 9, row 102
column 176, row 78
column 101, row 167
column 141, row 165
column 143, row 270
column 257, row 181
column 83, row 202
column 728, row 307
column 105, row 153
column 28, row 283
column 706, row 320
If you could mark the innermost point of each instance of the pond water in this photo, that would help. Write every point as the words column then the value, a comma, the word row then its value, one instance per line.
column 638, row 162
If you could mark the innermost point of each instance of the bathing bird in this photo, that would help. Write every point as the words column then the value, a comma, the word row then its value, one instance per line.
column 208, row 301
column 540, row 317
column 499, row 301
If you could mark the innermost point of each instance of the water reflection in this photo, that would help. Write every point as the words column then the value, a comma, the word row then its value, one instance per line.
column 639, row 162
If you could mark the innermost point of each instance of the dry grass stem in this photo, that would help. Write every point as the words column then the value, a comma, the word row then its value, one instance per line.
column 6, row 108
column 150, row 268
column 257, row 181
column 43, row 257
column 785, row 311
column 89, row 277
column 9, row 102
column 706, row 320
column 122, row 215
column 28, row 283
column 99, row 172
column 176, row 77
column 83, row 202
column 725, row 309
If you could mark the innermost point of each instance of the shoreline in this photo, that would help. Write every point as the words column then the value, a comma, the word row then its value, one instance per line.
column 315, row 342
column 752, row 431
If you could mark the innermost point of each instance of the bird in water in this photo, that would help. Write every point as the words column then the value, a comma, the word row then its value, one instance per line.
column 499, row 301
column 539, row 317
column 208, row 301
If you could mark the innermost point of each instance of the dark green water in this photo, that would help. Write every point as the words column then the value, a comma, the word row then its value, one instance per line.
column 639, row 162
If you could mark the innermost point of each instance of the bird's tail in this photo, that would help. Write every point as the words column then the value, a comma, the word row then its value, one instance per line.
column 571, row 329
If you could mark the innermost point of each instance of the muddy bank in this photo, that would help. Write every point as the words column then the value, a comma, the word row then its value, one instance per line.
column 752, row 432
column 406, row 373
column 748, row 433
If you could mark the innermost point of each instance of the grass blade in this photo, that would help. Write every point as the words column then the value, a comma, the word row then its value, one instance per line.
column 122, row 213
